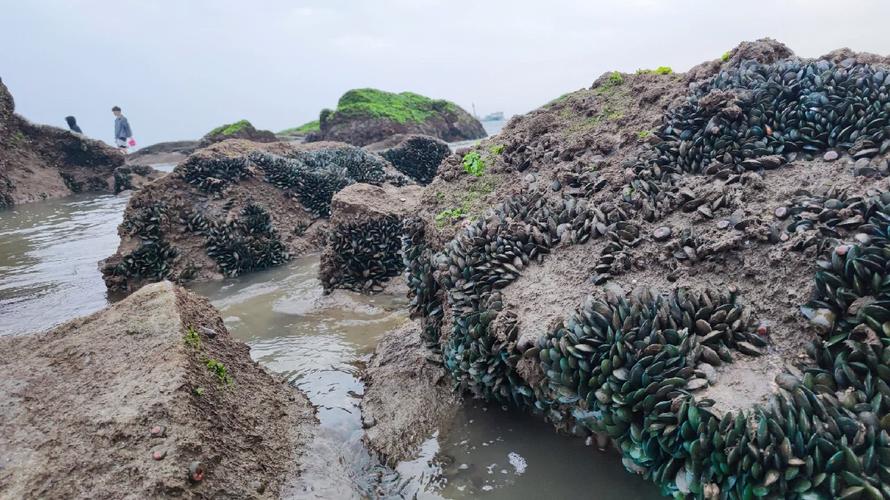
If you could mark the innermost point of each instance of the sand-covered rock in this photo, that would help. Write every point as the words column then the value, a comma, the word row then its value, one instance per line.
column 366, row 116
column 234, row 207
column 406, row 398
column 39, row 162
column 241, row 129
column 691, row 265
column 122, row 403
column 363, row 244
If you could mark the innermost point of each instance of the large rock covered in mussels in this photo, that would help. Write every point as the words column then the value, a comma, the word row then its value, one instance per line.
column 366, row 116
column 708, row 293
column 39, row 162
column 235, row 207
column 363, row 247
column 417, row 156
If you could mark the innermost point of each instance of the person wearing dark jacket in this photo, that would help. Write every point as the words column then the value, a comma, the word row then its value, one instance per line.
column 122, row 130
column 72, row 124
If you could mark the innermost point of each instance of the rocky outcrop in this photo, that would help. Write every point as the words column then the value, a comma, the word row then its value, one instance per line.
column 234, row 207
column 241, row 129
column 690, row 265
column 363, row 244
column 366, row 116
column 406, row 398
column 39, row 162
column 132, row 177
column 149, row 398
column 163, row 152
column 417, row 156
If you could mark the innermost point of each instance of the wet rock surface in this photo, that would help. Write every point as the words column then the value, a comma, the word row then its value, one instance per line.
column 39, row 162
column 570, row 299
column 406, row 398
column 142, row 400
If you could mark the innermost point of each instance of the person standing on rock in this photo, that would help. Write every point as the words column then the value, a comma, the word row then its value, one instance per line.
column 122, row 130
column 72, row 124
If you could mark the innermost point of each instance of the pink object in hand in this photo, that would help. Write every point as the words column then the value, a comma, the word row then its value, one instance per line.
column 132, row 142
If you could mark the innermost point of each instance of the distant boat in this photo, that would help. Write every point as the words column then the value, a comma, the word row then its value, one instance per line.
column 494, row 117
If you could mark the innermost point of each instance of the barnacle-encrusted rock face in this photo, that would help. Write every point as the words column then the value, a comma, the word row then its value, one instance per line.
column 709, row 291
column 235, row 207
column 363, row 247
column 39, row 161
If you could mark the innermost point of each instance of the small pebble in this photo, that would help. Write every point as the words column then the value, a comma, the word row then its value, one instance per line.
column 158, row 454
column 781, row 212
column 158, row 431
column 662, row 233
column 763, row 329
column 196, row 472
column 723, row 224
column 830, row 156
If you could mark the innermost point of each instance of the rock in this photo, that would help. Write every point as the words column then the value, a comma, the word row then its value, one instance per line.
column 235, row 207
column 830, row 156
column 366, row 116
column 39, row 162
column 417, row 156
column 662, row 233
column 139, row 341
column 406, row 397
column 363, row 247
column 242, row 129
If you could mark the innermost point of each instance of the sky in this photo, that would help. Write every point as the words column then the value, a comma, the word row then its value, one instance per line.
column 179, row 68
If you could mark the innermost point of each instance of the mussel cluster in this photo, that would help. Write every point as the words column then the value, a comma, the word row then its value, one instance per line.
column 629, row 366
column 363, row 254
column 423, row 290
column 247, row 243
column 212, row 175
column 153, row 259
column 418, row 157
column 758, row 116
column 314, row 177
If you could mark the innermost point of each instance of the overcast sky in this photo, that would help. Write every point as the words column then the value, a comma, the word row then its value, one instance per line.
column 179, row 68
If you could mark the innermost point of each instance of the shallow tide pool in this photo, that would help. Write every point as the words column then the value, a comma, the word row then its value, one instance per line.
column 49, row 274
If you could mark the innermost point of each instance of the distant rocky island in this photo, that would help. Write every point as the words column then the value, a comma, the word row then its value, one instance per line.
column 366, row 116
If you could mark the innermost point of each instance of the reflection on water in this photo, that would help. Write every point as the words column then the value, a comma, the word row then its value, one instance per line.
column 317, row 342
column 48, row 259
column 48, row 274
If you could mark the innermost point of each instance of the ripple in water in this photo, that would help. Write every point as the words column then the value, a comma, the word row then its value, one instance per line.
column 48, row 260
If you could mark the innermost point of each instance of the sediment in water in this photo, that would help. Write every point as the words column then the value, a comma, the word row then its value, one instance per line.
column 133, row 396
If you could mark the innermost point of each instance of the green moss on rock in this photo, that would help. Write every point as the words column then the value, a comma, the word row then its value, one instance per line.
column 306, row 128
column 231, row 128
column 402, row 108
